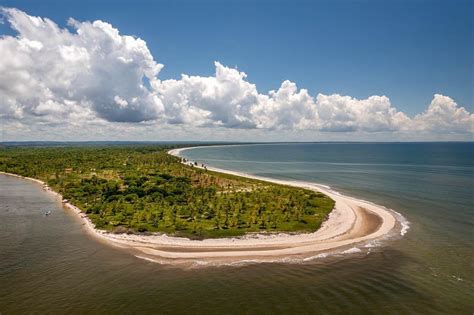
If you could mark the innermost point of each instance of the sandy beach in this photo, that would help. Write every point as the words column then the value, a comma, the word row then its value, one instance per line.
column 352, row 223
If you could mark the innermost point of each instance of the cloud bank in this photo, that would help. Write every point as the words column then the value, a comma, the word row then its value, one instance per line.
column 90, row 74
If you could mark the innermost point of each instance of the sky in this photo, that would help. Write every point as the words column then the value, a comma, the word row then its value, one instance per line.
column 237, row 70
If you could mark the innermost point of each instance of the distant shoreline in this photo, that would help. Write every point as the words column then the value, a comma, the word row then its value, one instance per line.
column 352, row 222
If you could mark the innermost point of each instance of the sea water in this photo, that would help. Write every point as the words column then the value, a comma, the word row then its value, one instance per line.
column 49, row 264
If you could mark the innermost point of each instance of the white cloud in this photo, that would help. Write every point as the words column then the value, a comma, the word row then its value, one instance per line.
column 90, row 74
column 444, row 115
column 286, row 108
column 45, row 65
column 344, row 113
column 222, row 100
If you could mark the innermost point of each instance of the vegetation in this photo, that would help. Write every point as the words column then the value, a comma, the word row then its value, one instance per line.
column 144, row 189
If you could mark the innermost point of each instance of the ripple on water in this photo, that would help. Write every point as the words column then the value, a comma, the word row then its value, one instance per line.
column 50, row 266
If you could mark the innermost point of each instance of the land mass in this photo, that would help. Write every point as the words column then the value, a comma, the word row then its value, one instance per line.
column 351, row 223
column 143, row 189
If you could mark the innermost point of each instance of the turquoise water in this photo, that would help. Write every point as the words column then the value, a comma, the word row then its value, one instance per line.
column 50, row 265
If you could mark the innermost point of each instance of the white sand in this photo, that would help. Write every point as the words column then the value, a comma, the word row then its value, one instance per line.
column 350, row 223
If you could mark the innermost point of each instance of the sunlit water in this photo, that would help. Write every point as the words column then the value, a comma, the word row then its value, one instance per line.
column 49, row 264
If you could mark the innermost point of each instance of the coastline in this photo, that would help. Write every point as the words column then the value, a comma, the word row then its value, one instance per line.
column 86, row 222
column 352, row 222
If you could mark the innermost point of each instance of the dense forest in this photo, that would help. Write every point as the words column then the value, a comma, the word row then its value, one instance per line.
column 144, row 189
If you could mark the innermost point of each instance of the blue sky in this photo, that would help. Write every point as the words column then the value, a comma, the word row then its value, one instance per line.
column 253, row 70
column 406, row 50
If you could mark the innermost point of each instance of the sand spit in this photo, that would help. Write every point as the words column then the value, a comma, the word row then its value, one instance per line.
column 353, row 222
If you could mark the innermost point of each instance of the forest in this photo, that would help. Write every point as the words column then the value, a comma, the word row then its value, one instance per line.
column 143, row 189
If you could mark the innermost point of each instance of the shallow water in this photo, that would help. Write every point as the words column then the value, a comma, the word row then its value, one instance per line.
column 49, row 264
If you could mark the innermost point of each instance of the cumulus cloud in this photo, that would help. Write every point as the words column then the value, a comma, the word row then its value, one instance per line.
column 224, row 99
column 286, row 108
column 344, row 113
column 444, row 115
column 89, row 72
column 48, row 70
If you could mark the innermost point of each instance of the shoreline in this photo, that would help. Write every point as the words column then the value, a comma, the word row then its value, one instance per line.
column 84, row 219
column 351, row 223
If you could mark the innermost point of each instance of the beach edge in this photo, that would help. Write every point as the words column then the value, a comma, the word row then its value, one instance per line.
column 342, row 229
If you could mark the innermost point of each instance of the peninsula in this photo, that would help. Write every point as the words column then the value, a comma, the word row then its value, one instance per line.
column 164, row 208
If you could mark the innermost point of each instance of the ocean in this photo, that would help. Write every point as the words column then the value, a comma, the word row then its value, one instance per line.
column 49, row 264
